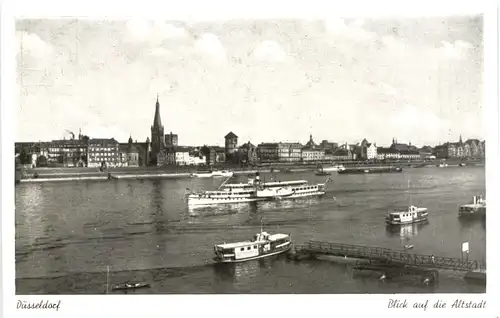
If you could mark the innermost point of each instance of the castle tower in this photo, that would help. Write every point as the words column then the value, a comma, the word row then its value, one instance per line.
column 157, row 133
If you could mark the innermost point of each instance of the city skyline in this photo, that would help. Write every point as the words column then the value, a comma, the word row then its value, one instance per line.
column 339, row 80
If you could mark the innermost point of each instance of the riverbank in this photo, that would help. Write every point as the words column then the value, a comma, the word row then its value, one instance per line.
column 93, row 174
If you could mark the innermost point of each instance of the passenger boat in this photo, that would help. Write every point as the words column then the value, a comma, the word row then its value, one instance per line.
column 356, row 170
column 476, row 207
column 261, row 245
column 255, row 190
column 412, row 215
column 210, row 174
column 333, row 168
column 131, row 285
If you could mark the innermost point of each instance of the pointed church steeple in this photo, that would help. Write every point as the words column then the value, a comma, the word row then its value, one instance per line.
column 157, row 119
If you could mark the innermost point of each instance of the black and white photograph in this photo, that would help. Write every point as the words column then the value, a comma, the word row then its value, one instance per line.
column 277, row 155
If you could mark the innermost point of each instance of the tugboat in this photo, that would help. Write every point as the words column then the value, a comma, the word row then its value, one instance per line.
column 262, row 245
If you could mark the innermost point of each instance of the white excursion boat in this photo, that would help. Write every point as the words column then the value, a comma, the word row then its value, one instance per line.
column 412, row 215
column 333, row 168
column 262, row 245
column 255, row 190
column 210, row 174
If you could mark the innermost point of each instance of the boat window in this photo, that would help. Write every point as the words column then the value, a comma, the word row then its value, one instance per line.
column 249, row 248
column 255, row 247
column 242, row 249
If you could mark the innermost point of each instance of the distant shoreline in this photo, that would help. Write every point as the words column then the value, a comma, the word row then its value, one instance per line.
column 37, row 175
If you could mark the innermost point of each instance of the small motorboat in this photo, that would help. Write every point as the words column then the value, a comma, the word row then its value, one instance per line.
column 130, row 285
column 409, row 246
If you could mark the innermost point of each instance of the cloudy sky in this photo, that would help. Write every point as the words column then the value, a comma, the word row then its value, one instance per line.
column 419, row 80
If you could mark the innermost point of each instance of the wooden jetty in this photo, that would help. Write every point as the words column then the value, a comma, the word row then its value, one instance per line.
column 390, row 262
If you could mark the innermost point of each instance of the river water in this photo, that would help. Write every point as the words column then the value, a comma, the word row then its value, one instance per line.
column 69, row 233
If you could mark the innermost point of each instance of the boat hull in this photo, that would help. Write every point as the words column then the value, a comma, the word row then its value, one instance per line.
column 209, row 201
column 369, row 170
column 225, row 261
column 420, row 220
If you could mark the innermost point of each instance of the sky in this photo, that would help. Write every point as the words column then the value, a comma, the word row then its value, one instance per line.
column 418, row 80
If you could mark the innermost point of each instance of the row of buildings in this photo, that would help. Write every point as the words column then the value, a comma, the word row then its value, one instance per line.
column 164, row 149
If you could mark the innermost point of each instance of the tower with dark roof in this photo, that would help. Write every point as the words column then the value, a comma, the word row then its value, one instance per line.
column 157, row 133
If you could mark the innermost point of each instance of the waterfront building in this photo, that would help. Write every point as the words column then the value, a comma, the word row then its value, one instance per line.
column 289, row 152
column 268, row 152
column 210, row 155
column 29, row 152
column 362, row 150
column 476, row 148
column 371, row 151
column 103, row 152
column 231, row 146
column 220, row 154
column 441, row 151
column 409, row 155
column 129, row 154
column 248, row 153
column 402, row 147
column 329, row 154
column 342, row 154
column 157, row 137
column 144, row 150
column 472, row 148
column 67, row 153
column 313, row 155
column 367, row 150
column 426, row 152
column 182, row 157
column 310, row 144
column 325, row 144
column 388, row 153
column 171, row 140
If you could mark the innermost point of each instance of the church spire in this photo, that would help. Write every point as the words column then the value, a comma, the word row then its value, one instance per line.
column 157, row 120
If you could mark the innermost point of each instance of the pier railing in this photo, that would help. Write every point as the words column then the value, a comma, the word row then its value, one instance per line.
column 385, row 255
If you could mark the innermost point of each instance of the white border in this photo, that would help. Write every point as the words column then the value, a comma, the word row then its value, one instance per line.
column 303, row 305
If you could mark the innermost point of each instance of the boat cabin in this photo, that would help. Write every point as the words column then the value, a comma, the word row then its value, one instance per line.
column 412, row 215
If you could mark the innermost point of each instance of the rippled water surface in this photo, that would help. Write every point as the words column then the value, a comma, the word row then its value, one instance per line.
column 67, row 234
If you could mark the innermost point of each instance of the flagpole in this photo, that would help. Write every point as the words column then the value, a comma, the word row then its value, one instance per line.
column 261, row 224
column 107, row 279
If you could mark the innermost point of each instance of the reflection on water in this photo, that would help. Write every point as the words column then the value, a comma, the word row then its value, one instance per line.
column 467, row 222
column 145, row 224
column 244, row 273
column 252, row 207
column 405, row 231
